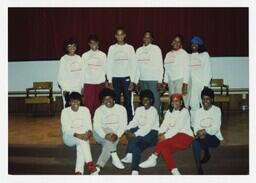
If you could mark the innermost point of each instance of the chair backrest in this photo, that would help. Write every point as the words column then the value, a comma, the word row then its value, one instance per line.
column 217, row 82
column 42, row 85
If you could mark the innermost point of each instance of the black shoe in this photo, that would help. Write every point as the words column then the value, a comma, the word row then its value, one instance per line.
column 200, row 171
column 206, row 158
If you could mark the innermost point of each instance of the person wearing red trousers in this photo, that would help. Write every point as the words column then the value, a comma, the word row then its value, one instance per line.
column 174, row 134
column 94, row 74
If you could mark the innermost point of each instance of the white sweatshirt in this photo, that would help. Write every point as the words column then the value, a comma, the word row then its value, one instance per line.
column 176, row 122
column 94, row 67
column 200, row 68
column 121, row 62
column 70, row 73
column 150, row 62
column 75, row 122
column 145, row 120
column 177, row 66
column 209, row 120
column 110, row 120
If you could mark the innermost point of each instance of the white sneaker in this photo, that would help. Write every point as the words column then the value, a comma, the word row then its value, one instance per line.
column 150, row 162
column 96, row 172
column 116, row 161
column 135, row 172
column 127, row 158
column 175, row 171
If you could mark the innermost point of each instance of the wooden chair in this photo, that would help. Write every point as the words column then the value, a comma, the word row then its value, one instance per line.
column 40, row 93
column 223, row 97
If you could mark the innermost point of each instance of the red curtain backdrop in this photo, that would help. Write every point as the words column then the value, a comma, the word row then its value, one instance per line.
column 38, row 33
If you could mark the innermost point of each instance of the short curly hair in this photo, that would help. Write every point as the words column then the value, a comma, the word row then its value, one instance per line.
column 106, row 92
column 148, row 94
column 207, row 92
column 69, row 41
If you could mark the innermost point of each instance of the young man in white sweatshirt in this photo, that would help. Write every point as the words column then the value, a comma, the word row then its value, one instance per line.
column 76, row 128
column 142, row 130
column 150, row 62
column 94, row 74
column 70, row 71
column 174, row 134
column 201, row 73
column 207, row 129
column 122, row 70
column 177, row 69
column 109, row 124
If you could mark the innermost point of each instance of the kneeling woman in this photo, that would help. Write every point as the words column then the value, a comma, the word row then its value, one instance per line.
column 174, row 134
column 142, row 130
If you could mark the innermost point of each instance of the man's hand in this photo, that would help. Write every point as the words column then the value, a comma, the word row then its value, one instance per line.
column 111, row 137
column 201, row 133
column 131, row 86
column 129, row 134
column 184, row 88
column 80, row 136
column 110, row 86
column 161, row 137
column 88, row 135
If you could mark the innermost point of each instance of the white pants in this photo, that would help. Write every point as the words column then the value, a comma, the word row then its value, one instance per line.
column 176, row 87
column 83, row 151
column 195, row 100
column 107, row 148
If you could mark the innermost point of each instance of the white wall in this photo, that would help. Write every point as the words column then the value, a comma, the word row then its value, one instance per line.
column 234, row 71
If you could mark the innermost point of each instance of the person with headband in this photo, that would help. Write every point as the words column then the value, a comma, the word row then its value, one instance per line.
column 174, row 135
column 201, row 73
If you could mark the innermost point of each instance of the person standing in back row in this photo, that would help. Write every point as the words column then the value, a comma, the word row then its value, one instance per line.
column 150, row 62
column 201, row 73
column 70, row 71
column 177, row 69
column 122, row 70
column 94, row 72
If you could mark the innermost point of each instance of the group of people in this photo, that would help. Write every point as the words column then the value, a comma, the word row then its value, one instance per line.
column 97, row 81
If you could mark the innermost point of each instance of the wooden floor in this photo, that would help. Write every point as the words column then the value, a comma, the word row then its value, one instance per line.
column 46, row 130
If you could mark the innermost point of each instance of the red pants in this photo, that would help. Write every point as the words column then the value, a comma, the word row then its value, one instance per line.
column 91, row 96
column 167, row 147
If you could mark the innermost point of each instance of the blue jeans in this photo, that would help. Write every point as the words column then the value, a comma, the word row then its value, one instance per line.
column 138, row 144
column 204, row 144
column 121, row 85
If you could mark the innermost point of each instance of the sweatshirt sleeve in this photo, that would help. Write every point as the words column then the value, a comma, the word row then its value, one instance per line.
column 88, row 119
column 62, row 75
column 109, row 64
column 105, row 67
column 134, row 123
column 207, row 69
column 159, row 59
column 123, row 122
column 133, row 66
column 66, row 123
column 186, row 68
column 163, row 127
column 215, row 126
column 165, row 71
column 184, row 119
column 97, row 123
column 149, row 125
